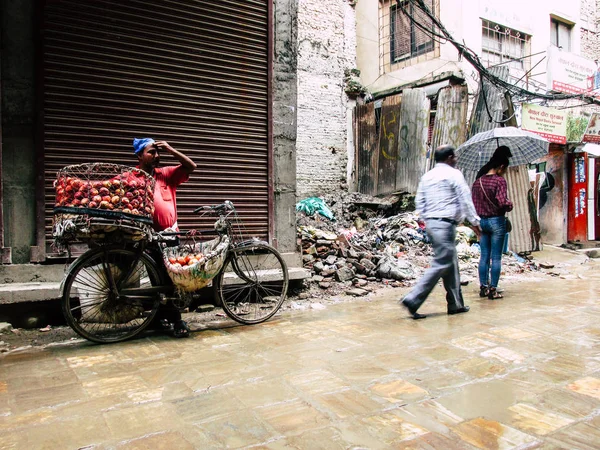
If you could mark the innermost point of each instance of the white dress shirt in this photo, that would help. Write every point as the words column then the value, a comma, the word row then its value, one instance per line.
column 443, row 193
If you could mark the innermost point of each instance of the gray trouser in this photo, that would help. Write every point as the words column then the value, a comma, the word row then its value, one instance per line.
column 444, row 266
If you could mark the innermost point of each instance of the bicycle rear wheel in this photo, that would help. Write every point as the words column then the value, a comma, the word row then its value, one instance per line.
column 253, row 283
column 92, row 303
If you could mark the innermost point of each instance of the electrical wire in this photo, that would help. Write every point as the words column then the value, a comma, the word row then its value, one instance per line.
column 475, row 61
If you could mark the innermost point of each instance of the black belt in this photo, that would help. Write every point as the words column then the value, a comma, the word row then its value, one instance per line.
column 489, row 217
column 444, row 219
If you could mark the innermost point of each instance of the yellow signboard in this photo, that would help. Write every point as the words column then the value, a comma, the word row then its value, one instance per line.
column 549, row 123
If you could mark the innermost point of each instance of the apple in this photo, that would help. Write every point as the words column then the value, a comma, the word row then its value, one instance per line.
column 115, row 199
column 127, row 210
column 93, row 204
column 97, row 199
column 104, row 204
column 104, row 191
column 85, row 201
column 106, row 198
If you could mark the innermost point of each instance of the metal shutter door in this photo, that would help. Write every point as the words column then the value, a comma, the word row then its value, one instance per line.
column 194, row 73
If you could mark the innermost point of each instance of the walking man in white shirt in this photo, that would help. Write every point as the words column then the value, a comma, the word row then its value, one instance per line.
column 443, row 201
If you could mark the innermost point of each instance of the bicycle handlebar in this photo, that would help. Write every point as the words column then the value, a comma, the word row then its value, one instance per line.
column 225, row 206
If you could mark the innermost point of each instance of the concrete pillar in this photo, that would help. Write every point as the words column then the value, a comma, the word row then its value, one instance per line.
column 18, row 150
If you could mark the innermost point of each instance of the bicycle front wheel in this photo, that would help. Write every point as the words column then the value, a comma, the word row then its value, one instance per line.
column 253, row 283
column 92, row 303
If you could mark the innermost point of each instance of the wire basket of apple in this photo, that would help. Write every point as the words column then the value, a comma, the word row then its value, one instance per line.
column 98, row 198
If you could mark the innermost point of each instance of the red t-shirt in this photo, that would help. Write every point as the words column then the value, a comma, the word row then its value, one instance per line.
column 165, row 202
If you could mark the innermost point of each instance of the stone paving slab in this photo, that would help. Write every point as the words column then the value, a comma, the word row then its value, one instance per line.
column 523, row 372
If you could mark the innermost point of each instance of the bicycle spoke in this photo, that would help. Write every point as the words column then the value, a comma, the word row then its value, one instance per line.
column 97, row 311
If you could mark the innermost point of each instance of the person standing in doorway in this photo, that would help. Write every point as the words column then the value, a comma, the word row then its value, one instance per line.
column 443, row 201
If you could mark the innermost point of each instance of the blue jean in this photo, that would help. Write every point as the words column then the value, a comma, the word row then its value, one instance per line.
column 493, row 231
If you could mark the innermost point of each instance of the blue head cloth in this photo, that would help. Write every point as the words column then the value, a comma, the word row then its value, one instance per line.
column 140, row 144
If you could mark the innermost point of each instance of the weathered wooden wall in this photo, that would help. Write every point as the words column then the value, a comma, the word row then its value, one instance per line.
column 366, row 142
column 392, row 158
column 389, row 127
column 450, row 126
column 412, row 140
column 520, row 239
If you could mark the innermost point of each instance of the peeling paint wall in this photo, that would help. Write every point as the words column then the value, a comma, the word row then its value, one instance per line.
column 326, row 46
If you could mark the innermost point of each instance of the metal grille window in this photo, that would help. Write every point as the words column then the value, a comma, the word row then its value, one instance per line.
column 501, row 45
column 560, row 34
column 405, row 32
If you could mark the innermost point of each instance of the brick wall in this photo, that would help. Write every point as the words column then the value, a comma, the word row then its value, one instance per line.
column 326, row 46
column 590, row 38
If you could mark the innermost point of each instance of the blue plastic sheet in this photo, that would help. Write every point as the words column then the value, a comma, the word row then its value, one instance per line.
column 312, row 205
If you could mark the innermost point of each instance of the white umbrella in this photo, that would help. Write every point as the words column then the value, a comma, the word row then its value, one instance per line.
column 525, row 147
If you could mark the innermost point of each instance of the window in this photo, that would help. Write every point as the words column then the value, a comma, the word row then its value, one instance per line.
column 502, row 45
column 560, row 34
column 407, row 39
column 401, row 41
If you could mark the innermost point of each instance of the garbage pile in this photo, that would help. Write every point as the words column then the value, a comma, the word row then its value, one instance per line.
column 366, row 241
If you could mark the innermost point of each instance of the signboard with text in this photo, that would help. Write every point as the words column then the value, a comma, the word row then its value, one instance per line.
column 592, row 132
column 549, row 123
column 571, row 73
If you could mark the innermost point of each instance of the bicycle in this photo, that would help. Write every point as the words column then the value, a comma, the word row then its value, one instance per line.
column 112, row 293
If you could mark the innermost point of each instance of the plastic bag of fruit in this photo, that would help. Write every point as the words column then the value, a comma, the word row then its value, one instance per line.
column 192, row 267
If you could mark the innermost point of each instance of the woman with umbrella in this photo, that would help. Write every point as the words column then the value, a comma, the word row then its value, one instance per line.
column 490, row 198
column 502, row 151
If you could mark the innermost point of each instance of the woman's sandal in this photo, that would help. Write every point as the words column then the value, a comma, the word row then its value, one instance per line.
column 484, row 291
column 181, row 329
column 494, row 294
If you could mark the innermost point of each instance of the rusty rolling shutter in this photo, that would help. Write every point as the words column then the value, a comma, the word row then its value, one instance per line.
column 194, row 73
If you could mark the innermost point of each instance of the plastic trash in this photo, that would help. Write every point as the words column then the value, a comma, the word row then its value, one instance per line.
column 312, row 205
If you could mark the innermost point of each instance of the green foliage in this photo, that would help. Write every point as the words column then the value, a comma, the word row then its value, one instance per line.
column 353, row 87
column 576, row 126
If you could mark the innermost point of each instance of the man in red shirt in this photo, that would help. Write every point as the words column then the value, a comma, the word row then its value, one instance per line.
column 167, row 178
column 165, row 204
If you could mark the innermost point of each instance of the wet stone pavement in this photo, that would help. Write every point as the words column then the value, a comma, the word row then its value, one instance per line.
column 523, row 372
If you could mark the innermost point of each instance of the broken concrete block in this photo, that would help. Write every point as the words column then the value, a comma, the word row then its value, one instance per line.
column 368, row 264
column 344, row 274
column 324, row 285
column 205, row 308
column 5, row 327
column 307, row 258
column 357, row 292
column 318, row 266
column 331, row 260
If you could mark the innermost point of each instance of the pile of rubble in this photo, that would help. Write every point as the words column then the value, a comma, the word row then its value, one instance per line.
column 368, row 243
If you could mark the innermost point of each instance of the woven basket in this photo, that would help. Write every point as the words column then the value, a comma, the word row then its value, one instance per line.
column 190, row 278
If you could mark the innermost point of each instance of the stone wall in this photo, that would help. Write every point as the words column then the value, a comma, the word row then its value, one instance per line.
column 326, row 47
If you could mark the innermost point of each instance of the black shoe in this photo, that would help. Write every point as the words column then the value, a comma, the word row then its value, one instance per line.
column 413, row 312
column 181, row 329
column 464, row 309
